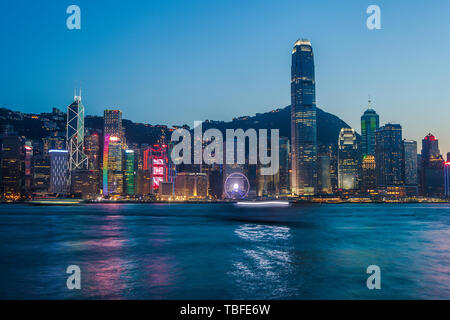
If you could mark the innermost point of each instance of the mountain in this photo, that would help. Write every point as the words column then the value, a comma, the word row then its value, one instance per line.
column 328, row 125
column 40, row 126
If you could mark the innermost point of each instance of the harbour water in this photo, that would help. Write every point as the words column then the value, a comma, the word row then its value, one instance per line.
column 218, row 251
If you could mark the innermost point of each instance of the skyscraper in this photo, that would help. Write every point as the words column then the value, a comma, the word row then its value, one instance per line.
column 303, row 120
column 389, row 155
column 432, row 168
column 410, row 162
column 370, row 122
column 12, row 159
column 285, row 151
column 369, row 181
column 75, row 135
column 112, row 152
column 447, row 178
column 348, row 160
column 130, row 172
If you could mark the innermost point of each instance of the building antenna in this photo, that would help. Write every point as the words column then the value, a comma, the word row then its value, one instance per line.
column 370, row 101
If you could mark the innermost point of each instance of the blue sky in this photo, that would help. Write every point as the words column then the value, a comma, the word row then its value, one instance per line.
column 173, row 62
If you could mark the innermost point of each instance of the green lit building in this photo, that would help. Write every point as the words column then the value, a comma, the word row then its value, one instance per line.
column 370, row 123
column 130, row 172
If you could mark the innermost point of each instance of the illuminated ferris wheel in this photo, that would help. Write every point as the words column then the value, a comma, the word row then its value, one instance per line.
column 236, row 186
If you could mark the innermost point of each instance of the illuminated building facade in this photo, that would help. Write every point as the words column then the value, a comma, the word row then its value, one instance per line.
column 285, row 152
column 41, row 173
column 28, row 177
column 348, row 160
column 370, row 123
column 155, row 161
column 84, row 183
column 389, row 156
column 130, row 173
column 191, row 185
column 432, row 168
column 303, row 120
column 447, row 178
column 59, row 171
column 369, row 180
column 75, row 135
column 410, row 168
column 12, row 158
column 112, row 165
column 112, row 152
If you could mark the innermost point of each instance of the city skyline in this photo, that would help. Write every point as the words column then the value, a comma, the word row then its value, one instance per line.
column 383, row 63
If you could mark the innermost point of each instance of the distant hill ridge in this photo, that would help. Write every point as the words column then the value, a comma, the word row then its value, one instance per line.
column 328, row 126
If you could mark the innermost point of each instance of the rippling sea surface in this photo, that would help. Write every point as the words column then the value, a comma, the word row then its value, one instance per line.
column 218, row 251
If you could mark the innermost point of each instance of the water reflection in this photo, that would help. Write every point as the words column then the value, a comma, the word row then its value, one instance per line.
column 262, row 265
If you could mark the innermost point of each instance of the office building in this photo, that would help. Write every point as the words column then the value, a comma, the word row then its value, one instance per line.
column 130, row 173
column 59, row 171
column 41, row 173
column 432, row 168
column 368, row 181
column 191, row 185
column 389, row 156
column 348, row 160
column 75, row 135
column 303, row 120
column 12, row 159
column 112, row 152
column 370, row 123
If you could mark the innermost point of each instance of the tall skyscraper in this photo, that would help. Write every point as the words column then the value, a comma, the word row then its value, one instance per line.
column 370, row 122
column 303, row 120
column 285, row 151
column 59, row 171
column 389, row 155
column 432, row 168
column 12, row 159
column 112, row 152
column 348, row 160
column 369, row 181
column 410, row 162
column 75, row 135
column 447, row 178
column 130, row 173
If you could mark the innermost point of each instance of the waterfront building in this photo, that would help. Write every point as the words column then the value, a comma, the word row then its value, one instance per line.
column 41, row 173
column 447, row 178
column 432, row 168
column 130, row 173
column 368, row 181
column 28, row 158
column 112, row 152
column 59, row 171
column 284, row 174
column 112, row 165
column 410, row 168
column 12, row 157
column 92, row 150
column 370, row 123
column 75, row 135
column 166, row 190
column 84, row 183
column 389, row 156
column 348, row 160
column 303, row 120
column 191, row 185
